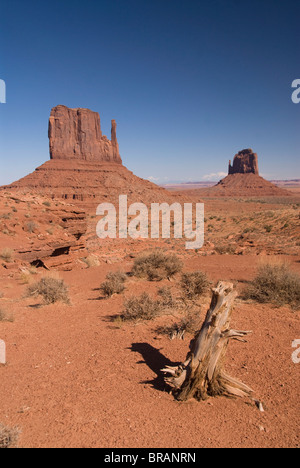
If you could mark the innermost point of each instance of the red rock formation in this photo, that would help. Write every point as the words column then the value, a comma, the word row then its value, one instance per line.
column 245, row 162
column 247, row 185
column 243, row 180
column 90, row 183
column 76, row 134
column 85, row 166
column 56, row 237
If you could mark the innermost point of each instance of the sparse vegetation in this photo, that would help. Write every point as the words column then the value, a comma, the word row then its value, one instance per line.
column 4, row 317
column 30, row 227
column 6, row 216
column 114, row 284
column 6, row 255
column 140, row 308
column 275, row 283
column 91, row 261
column 225, row 249
column 8, row 437
column 166, row 298
column 190, row 323
column 50, row 289
column 194, row 284
column 156, row 266
column 25, row 277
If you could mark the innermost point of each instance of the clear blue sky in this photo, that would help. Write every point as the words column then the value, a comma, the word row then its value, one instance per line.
column 189, row 83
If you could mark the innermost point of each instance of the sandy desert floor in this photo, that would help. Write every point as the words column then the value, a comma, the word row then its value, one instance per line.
column 75, row 377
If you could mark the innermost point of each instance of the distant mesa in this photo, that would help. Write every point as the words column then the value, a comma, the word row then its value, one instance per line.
column 244, row 162
column 76, row 134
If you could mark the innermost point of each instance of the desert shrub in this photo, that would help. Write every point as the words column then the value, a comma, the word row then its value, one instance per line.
column 190, row 323
column 47, row 203
column 114, row 284
column 6, row 216
column 194, row 284
column 30, row 227
column 166, row 298
column 275, row 283
column 225, row 249
column 4, row 317
column 6, row 254
column 50, row 289
column 156, row 266
column 25, row 277
column 91, row 261
column 140, row 308
column 8, row 437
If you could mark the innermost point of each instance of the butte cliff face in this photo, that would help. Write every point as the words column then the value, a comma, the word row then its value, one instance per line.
column 244, row 162
column 76, row 134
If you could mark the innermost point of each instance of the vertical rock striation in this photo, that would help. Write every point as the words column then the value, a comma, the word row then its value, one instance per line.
column 76, row 134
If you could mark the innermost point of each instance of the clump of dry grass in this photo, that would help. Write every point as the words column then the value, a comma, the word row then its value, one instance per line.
column 190, row 323
column 31, row 227
column 114, row 284
column 194, row 284
column 140, row 308
column 156, row 266
column 166, row 298
column 6, row 255
column 275, row 283
column 225, row 249
column 91, row 261
column 5, row 317
column 8, row 437
column 50, row 289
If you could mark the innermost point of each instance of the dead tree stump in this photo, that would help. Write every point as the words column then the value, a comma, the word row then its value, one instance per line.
column 202, row 374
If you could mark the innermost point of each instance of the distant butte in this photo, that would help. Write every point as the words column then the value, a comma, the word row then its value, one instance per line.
column 244, row 162
column 243, row 180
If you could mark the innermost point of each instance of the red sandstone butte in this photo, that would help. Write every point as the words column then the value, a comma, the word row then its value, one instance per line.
column 76, row 134
column 243, row 180
column 245, row 162
column 85, row 166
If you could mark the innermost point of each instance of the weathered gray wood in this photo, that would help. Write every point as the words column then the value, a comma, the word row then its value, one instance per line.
column 202, row 374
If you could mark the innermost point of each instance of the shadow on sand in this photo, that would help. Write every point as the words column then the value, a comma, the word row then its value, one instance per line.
column 156, row 361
